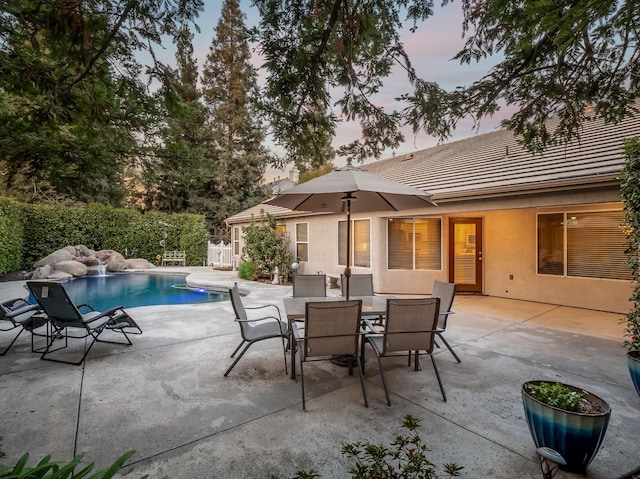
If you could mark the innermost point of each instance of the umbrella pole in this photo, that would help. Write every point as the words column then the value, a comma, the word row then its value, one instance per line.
column 347, row 271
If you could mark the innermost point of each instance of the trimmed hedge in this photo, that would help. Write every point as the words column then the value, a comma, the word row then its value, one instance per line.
column 29, row 232
column 11, row 235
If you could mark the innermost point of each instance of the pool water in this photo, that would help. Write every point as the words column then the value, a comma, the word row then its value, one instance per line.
column 137, row 289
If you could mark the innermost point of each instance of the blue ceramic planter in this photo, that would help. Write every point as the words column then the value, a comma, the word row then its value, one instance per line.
column 633, row 361
column 575, row 436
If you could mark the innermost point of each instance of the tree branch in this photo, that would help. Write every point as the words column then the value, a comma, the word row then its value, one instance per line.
column 103, row 48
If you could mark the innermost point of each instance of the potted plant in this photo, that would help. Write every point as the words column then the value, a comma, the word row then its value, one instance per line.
column 633, row 344
column 566, row 419
column 630, row 192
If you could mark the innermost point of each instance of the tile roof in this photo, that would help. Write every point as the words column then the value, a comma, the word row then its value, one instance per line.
column 495, row 164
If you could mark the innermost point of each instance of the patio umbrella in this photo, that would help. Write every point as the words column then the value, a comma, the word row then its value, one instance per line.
column 351, row 189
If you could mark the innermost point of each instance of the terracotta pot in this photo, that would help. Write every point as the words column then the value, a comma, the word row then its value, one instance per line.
column 633, row 361
column 577, row 437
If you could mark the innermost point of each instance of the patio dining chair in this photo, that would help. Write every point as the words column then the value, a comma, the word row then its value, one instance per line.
column 309, row 285
column 359, row 285
column 410, row 327
column 18, row 314
column 446, row 293
column 330, row 328
column 69, row 322
column 267, row 326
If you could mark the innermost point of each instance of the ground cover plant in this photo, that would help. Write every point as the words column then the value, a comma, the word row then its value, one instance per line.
column 405, row 458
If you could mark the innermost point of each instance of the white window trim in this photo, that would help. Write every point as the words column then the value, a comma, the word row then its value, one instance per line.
column 302, row 242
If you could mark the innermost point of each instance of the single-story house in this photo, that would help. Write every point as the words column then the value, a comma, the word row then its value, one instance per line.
column 508, row 223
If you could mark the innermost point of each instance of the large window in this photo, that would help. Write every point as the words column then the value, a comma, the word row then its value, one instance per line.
column 302, row 241
column 587, row 245
column 415, row 243
column 360, row 243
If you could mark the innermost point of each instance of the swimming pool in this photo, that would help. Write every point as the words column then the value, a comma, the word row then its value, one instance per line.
column 137, row 289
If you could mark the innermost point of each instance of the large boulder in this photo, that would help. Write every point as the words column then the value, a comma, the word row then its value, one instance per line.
column 72, row 267
column 139, row 263
column 60, row 275
column 60, row 255
column 84, row 251
column 105, row 255
column 88, row 261
column 116, row 263
column 42, row 272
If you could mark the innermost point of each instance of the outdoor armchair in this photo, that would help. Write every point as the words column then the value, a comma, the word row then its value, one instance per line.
column 18, row 314
column 309, row 285
column 330, row 328
column 446, row 293
column 252, row 330
column 410, row 327
column 69, row 322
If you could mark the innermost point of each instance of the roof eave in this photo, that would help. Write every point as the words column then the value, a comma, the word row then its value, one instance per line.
column 529, row 188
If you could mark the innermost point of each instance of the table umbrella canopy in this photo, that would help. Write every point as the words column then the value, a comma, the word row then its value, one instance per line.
column 372, row 192
column 351, row 189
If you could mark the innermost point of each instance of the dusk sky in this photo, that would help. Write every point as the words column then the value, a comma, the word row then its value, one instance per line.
column 431, row 50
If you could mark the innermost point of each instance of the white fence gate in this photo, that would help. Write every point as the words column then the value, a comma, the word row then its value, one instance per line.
column 219, row 255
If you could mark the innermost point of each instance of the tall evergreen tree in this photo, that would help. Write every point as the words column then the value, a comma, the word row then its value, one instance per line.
column 229, row 89
column 170, row 176
column 72, row 103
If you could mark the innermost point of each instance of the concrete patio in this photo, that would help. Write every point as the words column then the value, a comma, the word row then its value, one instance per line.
column 166, row 396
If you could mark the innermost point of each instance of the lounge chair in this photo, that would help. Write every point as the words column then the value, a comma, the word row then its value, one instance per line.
column 309, row 285
column 18, row 314
column 256, row 329
column 446, row 292
column 410, row 327
column 68, row 322
column 331, row 328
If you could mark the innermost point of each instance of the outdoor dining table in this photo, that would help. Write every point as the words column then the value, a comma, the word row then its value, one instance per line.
column 295, row 311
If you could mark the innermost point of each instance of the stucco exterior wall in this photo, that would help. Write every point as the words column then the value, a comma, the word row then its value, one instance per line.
column 510, row 250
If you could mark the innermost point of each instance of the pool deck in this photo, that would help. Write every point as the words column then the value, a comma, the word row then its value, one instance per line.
column 166, row 396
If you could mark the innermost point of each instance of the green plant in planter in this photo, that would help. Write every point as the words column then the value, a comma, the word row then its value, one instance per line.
column 556, row 395
column 567, row 420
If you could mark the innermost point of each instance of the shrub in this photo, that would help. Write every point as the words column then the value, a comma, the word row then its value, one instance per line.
column 266, row 247
column 11, row 236
column 247, row 270
column 630, row 192
column 29, row 232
